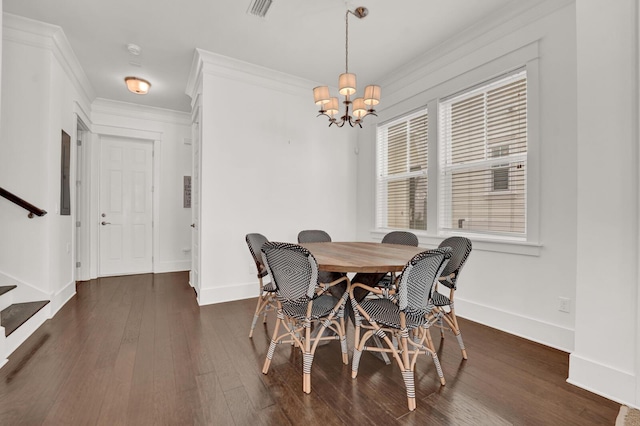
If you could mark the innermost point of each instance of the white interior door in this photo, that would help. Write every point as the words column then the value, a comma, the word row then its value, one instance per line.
column 195, row 210
column 126, row 213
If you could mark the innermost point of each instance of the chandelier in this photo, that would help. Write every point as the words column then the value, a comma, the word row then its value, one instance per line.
column 347, row 87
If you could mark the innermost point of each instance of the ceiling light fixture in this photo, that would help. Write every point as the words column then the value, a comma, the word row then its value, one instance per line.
column 347, row 87
column 137, row 85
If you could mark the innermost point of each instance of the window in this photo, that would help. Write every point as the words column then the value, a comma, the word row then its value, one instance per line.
column 402, row 173
column 483, row 157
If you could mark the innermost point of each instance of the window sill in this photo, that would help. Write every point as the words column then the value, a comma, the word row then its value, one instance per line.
column 427, row 240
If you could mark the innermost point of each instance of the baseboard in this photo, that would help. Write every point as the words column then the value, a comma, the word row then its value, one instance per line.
column 209, row 295
column 61, row 297
column 529, row 328
column 25, row 292
column 171, row 266
column 603, row 380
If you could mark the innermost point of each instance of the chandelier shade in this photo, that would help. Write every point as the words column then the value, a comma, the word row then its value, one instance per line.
column 372, row 95
column 329, row 106
column 332, row 107
column 347, row 84
column 321, row 95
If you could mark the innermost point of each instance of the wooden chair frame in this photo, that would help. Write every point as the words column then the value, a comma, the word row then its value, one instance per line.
column 297, row 332
column 448, row 313
column 403, row 349
column 266, row 303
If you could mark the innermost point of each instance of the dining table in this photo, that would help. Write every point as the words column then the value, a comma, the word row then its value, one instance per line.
column 363, row 257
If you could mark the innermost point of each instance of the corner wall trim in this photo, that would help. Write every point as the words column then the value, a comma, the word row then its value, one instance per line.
column 611, row 383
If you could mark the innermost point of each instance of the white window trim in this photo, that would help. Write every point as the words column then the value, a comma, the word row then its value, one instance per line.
column 380, row 215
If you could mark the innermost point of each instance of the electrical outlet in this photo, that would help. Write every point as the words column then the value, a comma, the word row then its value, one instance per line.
column 565, row 304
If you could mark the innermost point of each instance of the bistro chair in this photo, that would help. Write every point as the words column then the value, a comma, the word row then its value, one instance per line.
column 382, row 279
column 302, row 302
column 393, row 319
column 385, row 279
column 266, row 297
column 313, row 236
column 404, row 238
column 461, row 248
column 320, row 236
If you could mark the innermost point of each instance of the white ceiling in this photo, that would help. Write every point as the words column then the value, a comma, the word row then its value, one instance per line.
column 304, row 38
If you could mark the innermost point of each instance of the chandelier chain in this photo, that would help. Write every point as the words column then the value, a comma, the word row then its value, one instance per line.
column 346, row 43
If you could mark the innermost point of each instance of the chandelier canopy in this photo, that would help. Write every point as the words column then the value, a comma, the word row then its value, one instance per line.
column 347, row 87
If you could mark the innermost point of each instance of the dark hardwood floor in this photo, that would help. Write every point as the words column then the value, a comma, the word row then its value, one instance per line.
column 138, row 350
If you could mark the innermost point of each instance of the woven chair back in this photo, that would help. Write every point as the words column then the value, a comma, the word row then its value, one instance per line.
column 313, row 236
column 461, row 248
column 401, row 237
column 418, row 277
column 293, row 269
column 255, row 242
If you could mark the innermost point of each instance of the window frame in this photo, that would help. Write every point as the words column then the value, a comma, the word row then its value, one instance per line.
column 448, row 166
column 425, row 92
column 382, row 176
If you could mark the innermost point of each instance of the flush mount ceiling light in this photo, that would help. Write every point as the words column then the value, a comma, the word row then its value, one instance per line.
column 347, row 88
column 137, row 85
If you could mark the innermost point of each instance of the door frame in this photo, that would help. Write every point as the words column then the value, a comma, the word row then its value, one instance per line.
column 81, row 200
column 196, row 173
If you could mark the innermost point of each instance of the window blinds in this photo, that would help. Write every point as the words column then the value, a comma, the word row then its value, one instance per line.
column 483, row 158
column 402, row 173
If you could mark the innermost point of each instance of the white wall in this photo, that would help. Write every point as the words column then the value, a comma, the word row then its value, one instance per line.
column 268, row 166
column 605, row 357
column 499, row 287
column 587, row 180
column 41, row 90
column 1, row 55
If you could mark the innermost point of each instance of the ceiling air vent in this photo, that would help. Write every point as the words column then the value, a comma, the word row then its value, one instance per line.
column 259, row 7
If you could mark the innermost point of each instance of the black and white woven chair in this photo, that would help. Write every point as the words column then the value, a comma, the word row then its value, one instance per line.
column 313, row 236
column 461, row 248
column 319, row 236
column 303, row 301
column 404, row 238
column 393, row 319
column 386, row 280
column 266, row 297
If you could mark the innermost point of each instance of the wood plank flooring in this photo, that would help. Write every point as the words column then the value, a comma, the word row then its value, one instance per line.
column 138, row 350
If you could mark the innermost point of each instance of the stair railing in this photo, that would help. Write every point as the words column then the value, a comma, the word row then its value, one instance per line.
column 33, row 210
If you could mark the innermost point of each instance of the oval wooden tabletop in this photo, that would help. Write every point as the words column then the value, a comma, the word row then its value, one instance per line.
column 361, row 257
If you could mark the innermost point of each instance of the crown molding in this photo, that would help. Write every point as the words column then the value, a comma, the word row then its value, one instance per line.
column 209, row 63
column 516, row 15
column 142, row 112
column 38, row 34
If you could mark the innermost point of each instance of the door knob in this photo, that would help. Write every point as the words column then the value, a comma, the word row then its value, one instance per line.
column 105, row 223
column 193, row 225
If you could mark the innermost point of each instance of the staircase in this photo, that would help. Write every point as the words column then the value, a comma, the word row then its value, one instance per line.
column 18, row 320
